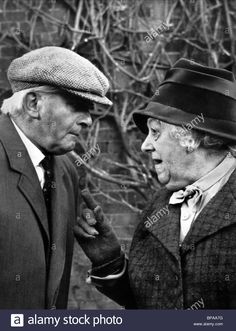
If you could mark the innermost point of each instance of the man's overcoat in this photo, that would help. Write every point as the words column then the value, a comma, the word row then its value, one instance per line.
column 35, row 262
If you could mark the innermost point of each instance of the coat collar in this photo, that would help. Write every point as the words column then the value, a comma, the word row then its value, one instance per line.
column 218, row 213
column 162, row 220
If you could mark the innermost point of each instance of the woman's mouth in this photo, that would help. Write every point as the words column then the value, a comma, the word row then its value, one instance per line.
column 157, row 161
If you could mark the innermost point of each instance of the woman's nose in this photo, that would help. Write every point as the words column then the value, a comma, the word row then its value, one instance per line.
column 147, row 145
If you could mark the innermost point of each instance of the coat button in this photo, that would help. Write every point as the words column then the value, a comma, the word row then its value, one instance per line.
column 53, row 247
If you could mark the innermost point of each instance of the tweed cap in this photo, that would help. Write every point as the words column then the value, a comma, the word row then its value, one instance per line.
column 61, row 68
column 190, row 91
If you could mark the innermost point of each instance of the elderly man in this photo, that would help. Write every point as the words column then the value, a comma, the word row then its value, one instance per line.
column 53, row 89
column 185, row 257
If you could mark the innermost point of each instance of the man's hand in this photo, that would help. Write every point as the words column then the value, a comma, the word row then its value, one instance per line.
column 94, row 234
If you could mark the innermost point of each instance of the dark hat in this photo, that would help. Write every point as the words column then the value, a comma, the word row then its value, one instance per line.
column 61, row 68
column 190, row 91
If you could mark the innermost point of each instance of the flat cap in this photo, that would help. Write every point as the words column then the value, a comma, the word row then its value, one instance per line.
column 61, row 68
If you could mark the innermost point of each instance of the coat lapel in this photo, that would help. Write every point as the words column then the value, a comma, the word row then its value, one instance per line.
column 34, row 195
column 29, row 185
column 59, row 234
column 164, row 225
column 20, row 162
column 217, row 215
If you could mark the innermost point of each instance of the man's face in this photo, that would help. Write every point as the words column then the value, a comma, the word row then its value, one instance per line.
column 171, row 161
column 61, row 120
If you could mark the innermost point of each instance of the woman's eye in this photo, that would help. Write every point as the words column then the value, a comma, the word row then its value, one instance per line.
column 154, row 131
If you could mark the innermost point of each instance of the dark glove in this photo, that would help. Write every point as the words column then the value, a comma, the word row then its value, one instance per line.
column 95, row 235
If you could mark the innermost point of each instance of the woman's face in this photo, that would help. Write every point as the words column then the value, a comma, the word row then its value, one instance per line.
column 171, row 161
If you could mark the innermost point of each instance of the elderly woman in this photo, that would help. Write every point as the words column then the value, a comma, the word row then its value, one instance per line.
column 184, row 258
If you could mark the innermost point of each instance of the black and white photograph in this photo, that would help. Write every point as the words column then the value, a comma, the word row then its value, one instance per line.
column 118, row 164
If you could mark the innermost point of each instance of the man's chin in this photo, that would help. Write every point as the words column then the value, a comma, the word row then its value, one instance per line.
column 63, row 149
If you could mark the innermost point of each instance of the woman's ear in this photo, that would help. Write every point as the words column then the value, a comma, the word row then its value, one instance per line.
column 31, row 105
column 188, row 142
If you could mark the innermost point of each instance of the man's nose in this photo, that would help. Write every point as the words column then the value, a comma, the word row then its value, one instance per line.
column 147, row 145
column 86, row 120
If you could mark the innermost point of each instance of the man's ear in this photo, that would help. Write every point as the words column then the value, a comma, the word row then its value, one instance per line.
column 31, row 105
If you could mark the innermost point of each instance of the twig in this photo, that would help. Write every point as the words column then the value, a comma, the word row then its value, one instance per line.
column 105, row 175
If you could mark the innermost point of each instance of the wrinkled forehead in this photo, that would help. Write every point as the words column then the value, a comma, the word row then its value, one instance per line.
column 154, row 121
column 158, row 124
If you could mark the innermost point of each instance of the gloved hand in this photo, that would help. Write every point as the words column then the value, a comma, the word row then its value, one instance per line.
column 94, row 234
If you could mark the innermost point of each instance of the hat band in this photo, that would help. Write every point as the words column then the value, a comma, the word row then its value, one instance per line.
column 223, row 128
column 196, row 101
column 201, row 80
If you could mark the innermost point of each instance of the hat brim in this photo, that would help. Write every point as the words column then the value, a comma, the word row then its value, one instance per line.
column 91, row 97
column 85, row 95
column 188, row 121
